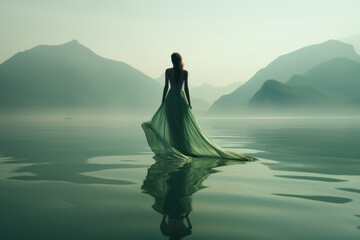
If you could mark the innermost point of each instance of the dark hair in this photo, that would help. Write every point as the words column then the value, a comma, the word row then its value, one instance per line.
column 176, row 60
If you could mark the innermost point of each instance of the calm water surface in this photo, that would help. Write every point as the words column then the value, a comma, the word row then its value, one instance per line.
column 97, row 179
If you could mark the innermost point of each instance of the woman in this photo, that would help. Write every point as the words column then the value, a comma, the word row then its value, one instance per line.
column 173, row 131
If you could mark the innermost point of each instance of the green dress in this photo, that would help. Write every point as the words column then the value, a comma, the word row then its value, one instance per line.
column 173, row 132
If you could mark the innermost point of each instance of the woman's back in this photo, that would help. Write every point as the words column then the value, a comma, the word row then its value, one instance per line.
column 176, row 82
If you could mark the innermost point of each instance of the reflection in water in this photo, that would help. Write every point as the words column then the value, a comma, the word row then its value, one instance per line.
column 172, row 183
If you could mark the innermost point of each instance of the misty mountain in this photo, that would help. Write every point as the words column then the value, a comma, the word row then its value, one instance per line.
column 331, row 87
column 210, row 93
column 353, row 40
column 161, row 78
column 282, row 69
column 71, row 76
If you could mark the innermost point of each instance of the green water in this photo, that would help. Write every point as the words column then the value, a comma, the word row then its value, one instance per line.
column 97, row 179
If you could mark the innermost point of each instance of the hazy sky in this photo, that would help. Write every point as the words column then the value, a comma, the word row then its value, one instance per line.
column 221, row 41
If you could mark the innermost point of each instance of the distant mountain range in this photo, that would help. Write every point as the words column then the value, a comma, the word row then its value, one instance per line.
column 353, row 40
column 282, row 69
column 72, row 77
column 211, row 93
column 330, row 87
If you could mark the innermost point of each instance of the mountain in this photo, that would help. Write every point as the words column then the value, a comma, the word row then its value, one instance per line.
column 210, row 93
column 199, row 105
column 353, row 40
column 282, row 69
column 161, row 79
column 331, row 87
column 72, row 77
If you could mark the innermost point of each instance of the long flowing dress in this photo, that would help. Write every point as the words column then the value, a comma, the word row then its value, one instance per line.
column 173, row 132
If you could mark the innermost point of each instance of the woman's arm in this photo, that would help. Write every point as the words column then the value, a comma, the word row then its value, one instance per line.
column 166, row 87
column 187, row 88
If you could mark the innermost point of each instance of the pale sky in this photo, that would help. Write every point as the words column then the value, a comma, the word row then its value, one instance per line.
column 220, row 41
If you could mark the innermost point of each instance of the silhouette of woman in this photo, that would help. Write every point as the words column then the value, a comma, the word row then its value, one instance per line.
column 173, row 132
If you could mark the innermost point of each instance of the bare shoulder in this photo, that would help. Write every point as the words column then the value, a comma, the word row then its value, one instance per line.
column 167, row 72
column 185, row 74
